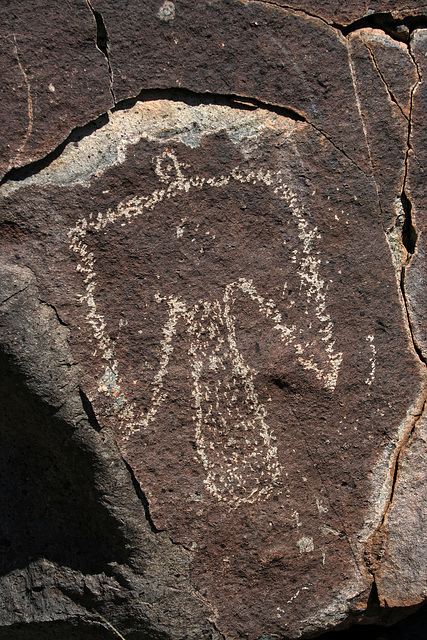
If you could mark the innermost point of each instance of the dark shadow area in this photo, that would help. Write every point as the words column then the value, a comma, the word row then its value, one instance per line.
column 397, row 29
column 57, row 631
column 73, row 630
column 409, row 233
column 49, row 504
column 414, row 627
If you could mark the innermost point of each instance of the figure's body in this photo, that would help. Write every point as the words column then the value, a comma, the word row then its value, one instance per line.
column 209, row 312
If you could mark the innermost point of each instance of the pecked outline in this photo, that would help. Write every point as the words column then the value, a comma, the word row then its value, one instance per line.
column 170, row 173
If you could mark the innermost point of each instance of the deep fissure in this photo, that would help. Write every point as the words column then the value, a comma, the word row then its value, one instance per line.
column 409, row 232
column 54, row 309
column 102, row 42
column 87, row 406
column 402, row 448
column 399, row 29
column 18, row 174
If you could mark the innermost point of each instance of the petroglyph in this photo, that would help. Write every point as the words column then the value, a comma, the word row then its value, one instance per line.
column 234, row 441
column 29, row 100
column 305, row 544
column 242, row 395
column 369, row 380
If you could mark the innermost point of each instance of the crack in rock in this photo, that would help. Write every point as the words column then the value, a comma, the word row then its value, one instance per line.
column 380, row 73
column 103, row 44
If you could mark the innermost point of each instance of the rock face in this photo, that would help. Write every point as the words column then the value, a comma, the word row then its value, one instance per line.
column 212, row 321
column 53, row 77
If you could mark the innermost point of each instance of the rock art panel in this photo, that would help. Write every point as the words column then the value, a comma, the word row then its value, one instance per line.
column 237, row 321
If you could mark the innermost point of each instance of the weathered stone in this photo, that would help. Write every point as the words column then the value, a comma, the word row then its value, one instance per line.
column 239, row 329
column 385, row 121
column 402, row 576
column 53, row 77
column 416, row 271
column 212, row 319
column 211, row 48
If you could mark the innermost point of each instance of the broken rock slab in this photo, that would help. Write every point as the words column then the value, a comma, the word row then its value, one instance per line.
column 238, row 327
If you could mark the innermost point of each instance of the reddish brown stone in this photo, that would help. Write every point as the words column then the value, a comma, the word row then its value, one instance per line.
column 254, row 49
column 374, row 58
column 416, row 271
column 53, row 77
column 237, row 321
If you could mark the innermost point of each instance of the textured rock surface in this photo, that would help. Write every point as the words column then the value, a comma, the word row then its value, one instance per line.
column 401, row 579
column 416, row 269
column 53, row 77
column 212, row 321
column 75, row 540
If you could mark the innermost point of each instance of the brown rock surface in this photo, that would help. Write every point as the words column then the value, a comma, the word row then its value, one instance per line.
column 212, row 322
column 294, row 55
column 416, row 270
column 53, row 77
column 402, row 577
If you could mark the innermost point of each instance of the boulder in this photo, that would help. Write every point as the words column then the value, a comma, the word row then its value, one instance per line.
column 212, row 323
